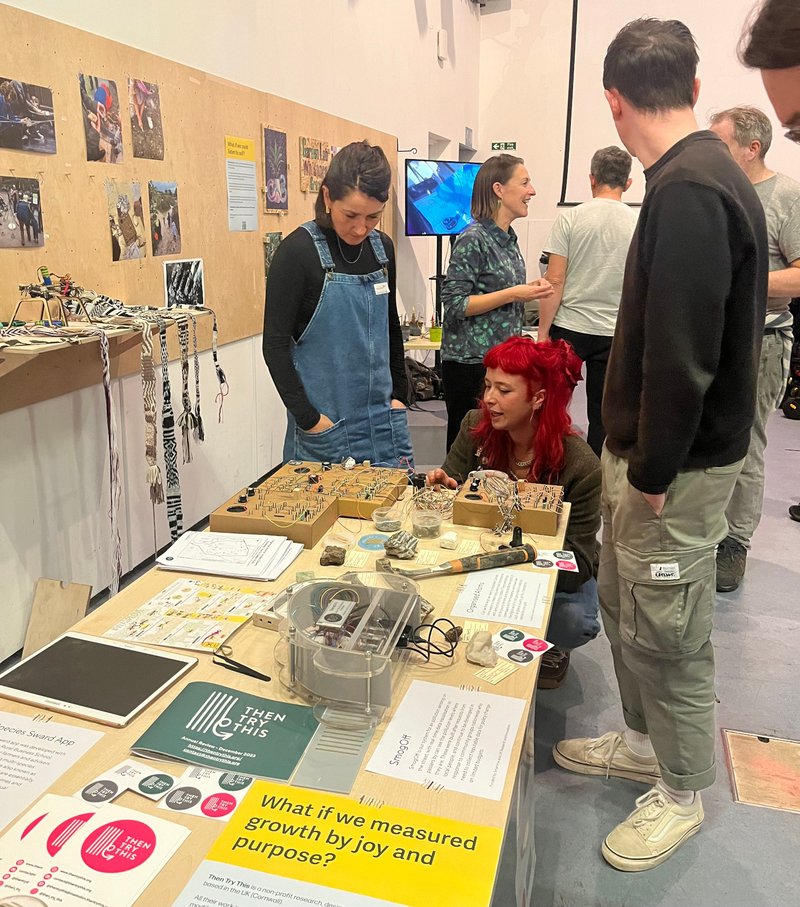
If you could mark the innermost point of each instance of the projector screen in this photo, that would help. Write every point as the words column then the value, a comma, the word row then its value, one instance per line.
column 724, row 82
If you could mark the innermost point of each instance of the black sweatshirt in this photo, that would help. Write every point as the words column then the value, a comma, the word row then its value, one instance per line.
column 294, row 286
column 681, row 381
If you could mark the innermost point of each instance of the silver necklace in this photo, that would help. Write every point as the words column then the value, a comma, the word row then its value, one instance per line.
column 521, row 464
column 341, row 250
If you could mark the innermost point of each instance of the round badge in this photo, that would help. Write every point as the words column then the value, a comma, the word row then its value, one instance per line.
column 155, row 784
column 535, row 645
column 100, row 792
column 118, row 846
column 511, row 635
column 520, row 656
column 563, row 554
column 542, row 562
column 373, row 542
column 232, row 781
column 183, row 798
column 218, row 805
column 566, row 565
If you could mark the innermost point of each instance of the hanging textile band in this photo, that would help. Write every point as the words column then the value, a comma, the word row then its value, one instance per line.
column 150, row 427
column 174, row 505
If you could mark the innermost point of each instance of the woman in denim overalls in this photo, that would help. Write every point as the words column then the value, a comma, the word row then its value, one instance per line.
column 330, row 356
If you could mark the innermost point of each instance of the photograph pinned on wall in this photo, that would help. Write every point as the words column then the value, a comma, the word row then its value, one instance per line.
column 276, row 176
column 315, row 156
column 165, row 223
column 126, row 220
column 26, row 117
column 20, row 213
column 145, row 106
column 101, row 119
column 184, row 283
column 271, row 243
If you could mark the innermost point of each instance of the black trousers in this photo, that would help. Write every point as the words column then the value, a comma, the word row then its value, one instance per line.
column 463, row 385
column 594, row 350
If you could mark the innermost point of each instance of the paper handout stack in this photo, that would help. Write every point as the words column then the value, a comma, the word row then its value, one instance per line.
column 254, row 557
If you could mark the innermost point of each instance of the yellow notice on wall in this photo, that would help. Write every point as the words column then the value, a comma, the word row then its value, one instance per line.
column 327, row 840
column 240, row 149
column 240, row 169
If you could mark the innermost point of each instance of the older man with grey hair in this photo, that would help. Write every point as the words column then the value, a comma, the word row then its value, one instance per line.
column 748, row 134
column 587, row 249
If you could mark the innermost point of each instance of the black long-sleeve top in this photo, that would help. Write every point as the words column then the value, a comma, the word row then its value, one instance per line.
column 681, row 380
column 294, row 286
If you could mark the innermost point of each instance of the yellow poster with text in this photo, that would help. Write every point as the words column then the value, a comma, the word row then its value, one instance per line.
column 238, row 149
column 325, row 839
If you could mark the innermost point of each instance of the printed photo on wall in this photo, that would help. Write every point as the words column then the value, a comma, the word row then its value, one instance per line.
column 315, row 155
column 165, row 223
column 276, row 176
column 145, row 106
column 271, row 243
column 26, row 117
column 20, row 213
column 126, row 220
column 183, row 282
column 101, row 119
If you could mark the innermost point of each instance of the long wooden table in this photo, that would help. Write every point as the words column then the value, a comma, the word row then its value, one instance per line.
column 254, row 646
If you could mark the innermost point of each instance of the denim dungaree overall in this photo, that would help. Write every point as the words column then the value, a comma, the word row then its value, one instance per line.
column 342, row 359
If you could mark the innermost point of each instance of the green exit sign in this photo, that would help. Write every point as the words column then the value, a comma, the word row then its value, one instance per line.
column 504, row 146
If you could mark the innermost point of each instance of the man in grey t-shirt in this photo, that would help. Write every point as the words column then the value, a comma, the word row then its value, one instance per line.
column 588, row 246
column 748, row 134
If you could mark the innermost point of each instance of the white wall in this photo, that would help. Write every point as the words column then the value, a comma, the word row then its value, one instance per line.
column 525, row 58
column 525, row 54
column 371, row 61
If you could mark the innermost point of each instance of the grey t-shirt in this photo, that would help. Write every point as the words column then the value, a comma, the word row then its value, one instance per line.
column 780, row 196
column 594, row 238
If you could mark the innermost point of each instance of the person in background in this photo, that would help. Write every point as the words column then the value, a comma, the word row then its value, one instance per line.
column 484, row 292
column 747, row 132
column 332, row 337
column 678, row 408
column 587, row 248
column 771, row 44
column 522, row 427
column 26, row 220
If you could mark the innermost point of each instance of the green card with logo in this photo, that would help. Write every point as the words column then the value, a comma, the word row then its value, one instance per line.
column 231, row 731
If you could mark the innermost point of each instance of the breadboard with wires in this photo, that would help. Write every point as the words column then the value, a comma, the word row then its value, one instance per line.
column 537, row 507
column 302, row 500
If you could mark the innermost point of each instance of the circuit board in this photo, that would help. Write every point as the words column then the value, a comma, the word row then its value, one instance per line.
column 537, row 511
column 303, row 500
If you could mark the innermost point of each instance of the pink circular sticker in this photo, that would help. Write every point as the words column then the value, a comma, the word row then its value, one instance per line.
column 566, row 565
column 218, row 805
column 64, row 831
column 118, row 846
column 534, row 645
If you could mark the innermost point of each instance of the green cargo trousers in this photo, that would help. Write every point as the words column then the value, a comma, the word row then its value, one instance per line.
column 657, row 583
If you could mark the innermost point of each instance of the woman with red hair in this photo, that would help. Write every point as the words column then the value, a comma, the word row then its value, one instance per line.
column 523, row 428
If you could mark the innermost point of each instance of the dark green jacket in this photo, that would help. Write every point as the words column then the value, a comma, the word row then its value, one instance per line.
column 580, row 479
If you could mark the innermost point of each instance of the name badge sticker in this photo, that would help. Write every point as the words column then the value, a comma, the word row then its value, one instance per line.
column 665, row 571
column 382, row 288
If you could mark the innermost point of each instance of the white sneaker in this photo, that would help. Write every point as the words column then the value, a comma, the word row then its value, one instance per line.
column 652, row 832
column 608, row 755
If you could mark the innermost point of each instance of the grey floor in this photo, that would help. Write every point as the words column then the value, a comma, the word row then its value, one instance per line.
column 744, row 856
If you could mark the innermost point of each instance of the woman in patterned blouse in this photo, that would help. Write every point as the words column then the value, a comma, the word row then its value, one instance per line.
column 485, row 289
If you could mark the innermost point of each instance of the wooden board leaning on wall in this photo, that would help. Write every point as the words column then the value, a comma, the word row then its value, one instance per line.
column 198, row 110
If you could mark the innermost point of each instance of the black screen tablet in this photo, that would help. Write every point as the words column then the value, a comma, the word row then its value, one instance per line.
column 99, row 679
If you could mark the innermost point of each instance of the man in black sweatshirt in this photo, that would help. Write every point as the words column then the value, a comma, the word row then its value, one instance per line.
column 678, row 407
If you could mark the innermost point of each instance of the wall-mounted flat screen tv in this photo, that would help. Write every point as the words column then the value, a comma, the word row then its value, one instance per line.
column 438, row 197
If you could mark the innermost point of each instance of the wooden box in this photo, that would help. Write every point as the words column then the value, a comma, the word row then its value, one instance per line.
column 302, row 517
column 541, row 508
